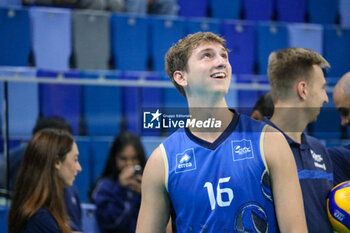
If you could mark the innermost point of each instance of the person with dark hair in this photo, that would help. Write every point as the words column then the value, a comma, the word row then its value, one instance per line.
column 340, row 155
column 209, row 179
column 52, row 122
column 117, row 193
column 263, row 107
column 70, row 194
column 298, row 92
column 50, row 163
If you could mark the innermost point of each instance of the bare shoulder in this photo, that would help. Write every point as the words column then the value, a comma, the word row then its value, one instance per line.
column 276, row 146
column 271, row 135
column 155, row 168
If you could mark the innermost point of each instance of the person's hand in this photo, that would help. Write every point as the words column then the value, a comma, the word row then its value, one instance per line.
column 128, row 178
column 135, row 183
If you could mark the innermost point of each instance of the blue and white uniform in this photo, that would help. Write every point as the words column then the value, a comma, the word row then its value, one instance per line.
column 222, row 186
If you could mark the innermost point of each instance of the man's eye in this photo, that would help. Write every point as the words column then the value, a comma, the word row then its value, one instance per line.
column 206, row 55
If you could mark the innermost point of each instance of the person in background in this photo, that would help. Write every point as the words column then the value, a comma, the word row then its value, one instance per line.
column 50, row 163
column 263, row 107
column 340, row 155
column 117, row 192
column 70, row 194
column 298, row 92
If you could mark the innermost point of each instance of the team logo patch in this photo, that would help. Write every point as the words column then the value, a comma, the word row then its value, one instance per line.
column 185, row 161
column 242, row 149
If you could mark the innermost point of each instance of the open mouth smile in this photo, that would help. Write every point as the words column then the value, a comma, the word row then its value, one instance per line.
column 219, row 75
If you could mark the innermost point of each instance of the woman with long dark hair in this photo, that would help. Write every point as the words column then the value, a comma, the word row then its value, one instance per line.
column 117, row 193
column 50, row 163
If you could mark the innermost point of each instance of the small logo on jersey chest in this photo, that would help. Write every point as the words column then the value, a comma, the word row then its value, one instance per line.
column 185, row 161
column 318, row 160
column 242, row 149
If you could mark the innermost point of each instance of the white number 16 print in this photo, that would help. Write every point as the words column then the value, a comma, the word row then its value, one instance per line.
column 219, row 192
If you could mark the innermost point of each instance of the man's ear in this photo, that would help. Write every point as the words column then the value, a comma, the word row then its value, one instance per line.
column 302, row 90
column 180, row 78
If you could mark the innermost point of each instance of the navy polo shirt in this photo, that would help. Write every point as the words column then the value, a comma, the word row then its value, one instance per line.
column 41, row 222
column 315, row 173
column 340, row 157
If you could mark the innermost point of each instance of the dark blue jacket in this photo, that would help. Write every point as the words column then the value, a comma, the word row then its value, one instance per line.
column 340, row 156
column 117, row 207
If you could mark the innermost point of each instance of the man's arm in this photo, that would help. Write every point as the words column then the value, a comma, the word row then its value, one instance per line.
column 285, row 183
column 155, row 209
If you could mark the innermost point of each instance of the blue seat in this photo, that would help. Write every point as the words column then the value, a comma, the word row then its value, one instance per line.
column 91, row 39
column 23, row 105
column 270, row 37
column 151, row 97
column 336, row 49
column 132, row 105
column 308, row 36
column 193, row 8
column 10, row 3
column 3, row 218
column 165, row 32
column 15, row 37
column 240, row 40
column 344, row 11
column 84, row 180
column 203, row 25
column 100, row 149
column 51, row 37
column 258, row 9
column 102, row 108
column 53, row 99
column 291, row 10
column 225, row 9
column 89, row 221
column 130, row 41
column 323, row 11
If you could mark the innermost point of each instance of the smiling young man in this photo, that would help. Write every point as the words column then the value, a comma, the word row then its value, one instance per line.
column 218, row 180
column 340, row 155
column 298, row 92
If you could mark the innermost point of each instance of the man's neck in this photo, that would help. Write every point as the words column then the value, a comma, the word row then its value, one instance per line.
column 290, row 121
column 216, row 113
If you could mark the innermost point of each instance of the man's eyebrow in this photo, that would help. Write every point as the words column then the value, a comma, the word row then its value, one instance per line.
column 206, row 50
column 211, row 49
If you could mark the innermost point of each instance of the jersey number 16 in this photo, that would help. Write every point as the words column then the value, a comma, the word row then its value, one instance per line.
column 219, row 192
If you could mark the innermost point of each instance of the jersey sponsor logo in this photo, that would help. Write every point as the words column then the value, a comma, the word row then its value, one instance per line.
column 318, row 160
column 185, row 161
column 242, row 149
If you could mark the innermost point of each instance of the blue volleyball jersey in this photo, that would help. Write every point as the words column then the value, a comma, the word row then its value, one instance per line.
column 222, row 186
